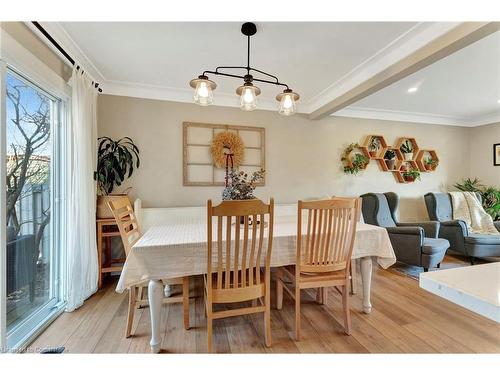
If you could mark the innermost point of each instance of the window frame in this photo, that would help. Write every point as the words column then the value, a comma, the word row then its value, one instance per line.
column 20, row 61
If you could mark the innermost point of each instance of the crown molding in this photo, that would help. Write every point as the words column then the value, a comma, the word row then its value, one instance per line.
column 157, row 92
column 57, row 31
column 417, row 117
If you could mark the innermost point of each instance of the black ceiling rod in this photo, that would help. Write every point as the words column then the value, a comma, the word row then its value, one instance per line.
column 59, row 48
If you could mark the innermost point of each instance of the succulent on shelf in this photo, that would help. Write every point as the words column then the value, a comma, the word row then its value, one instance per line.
column 390, row 154
column 430, row 163
column 374, row 146
column 406, row 147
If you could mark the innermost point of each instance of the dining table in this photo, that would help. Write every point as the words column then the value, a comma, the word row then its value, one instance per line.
column 178, row 248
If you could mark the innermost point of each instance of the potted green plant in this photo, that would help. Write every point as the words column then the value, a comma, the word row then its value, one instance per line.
column 374, row 146
column 411, row 175
column 357, row 163
column 407, row 149
column 390, row 159
column 430, row 163
column 115, row 163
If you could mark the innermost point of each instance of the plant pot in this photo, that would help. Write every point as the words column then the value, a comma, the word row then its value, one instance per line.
column 404, row 168
column 102, row 210
column 409, row 178
column 408, row 156
column 390, row 164
column 373, row 154
column 428, row 167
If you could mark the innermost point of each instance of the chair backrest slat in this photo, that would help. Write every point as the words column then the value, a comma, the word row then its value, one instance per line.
column 329, row 239
column 126, row 221
column 245, row 226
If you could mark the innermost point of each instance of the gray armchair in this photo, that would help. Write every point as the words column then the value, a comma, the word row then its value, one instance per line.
column 472, row 245
column 414, row 243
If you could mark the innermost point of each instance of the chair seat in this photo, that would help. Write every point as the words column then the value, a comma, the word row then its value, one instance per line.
column 316, row 276
column 435, row 245
column 483, row 239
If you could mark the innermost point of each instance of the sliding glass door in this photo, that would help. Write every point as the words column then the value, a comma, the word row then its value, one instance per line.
column 33, row 157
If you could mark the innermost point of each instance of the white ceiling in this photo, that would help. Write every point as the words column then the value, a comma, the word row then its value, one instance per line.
column 461, row 89
column 320, row 61
column 309, row 57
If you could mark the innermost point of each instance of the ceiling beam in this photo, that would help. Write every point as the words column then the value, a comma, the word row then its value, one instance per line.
column 444, row 45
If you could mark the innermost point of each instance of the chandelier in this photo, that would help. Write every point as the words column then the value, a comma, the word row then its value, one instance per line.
column 248, row 92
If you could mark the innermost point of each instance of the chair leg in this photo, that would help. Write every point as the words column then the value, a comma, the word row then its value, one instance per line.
column 297, row 311
column 438, row 265
column 353, row 276
column 471, row 259
column 267, row 312
column 279, row 289
column 319, row 295
column 131, row 310
column 347, row 310
column 426, row 269
column 209, row 328
column 185, row 301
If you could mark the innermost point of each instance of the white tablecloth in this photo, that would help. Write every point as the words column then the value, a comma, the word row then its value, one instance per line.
column 179, row 249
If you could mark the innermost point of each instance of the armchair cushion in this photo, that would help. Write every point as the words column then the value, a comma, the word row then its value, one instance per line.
column 435, row 245
column 483, row 239
column 416, row 231
column 431, row 228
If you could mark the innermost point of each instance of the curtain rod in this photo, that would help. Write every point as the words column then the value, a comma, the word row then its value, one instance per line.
column 60, row 49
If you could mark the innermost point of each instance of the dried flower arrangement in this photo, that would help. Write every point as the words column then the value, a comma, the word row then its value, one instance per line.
column 240, row 187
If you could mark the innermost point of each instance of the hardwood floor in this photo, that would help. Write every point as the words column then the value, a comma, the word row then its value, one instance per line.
column 405, row 319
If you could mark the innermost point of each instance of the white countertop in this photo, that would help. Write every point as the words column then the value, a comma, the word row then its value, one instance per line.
column 476, row 288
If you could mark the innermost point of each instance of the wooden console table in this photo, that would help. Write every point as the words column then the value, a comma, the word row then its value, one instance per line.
column 106, row 228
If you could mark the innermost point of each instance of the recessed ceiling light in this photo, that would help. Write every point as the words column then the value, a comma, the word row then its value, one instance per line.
column 412, row 90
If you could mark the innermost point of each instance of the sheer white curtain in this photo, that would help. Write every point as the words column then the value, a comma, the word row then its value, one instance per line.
column 82, row 249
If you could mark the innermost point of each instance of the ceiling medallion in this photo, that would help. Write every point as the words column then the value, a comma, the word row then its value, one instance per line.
column 248, row 92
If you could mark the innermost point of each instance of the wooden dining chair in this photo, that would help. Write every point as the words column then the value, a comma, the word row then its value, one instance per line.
column 323, row 256
column 235, row 260
column 130, row 234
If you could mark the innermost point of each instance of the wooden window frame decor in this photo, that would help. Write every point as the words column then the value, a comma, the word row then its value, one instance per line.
column 496, row 155
column 214, row 128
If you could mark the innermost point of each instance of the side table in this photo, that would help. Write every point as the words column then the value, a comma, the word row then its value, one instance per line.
column 106, row 229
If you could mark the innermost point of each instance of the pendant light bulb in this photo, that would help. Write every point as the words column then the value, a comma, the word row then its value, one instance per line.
column 248, row 96
column 203, row 90
column 287, row 105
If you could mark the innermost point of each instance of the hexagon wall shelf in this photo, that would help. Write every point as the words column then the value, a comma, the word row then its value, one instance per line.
column 366, row 147
column 422, row 155
column 401, row 165
column 397, row 165
column 414, row 143
column 348, row 162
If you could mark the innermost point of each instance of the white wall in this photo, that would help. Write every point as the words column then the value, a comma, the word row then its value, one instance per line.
column 482, row 139
column 302, row 156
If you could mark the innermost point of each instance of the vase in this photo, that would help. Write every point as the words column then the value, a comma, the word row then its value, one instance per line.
column 408, row 156
column 390, row 164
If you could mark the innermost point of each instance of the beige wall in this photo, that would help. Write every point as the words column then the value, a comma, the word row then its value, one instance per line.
column 24, row 36
column 302, row 156
column 482, row 139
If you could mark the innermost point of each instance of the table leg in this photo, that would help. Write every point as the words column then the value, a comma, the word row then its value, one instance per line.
column 99, row 254
column 155, row 296
column 366, row 278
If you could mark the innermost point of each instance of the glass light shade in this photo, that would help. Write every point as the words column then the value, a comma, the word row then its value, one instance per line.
column 203, row 94
column 203, row 90
column 287, row 99
column 248, row 98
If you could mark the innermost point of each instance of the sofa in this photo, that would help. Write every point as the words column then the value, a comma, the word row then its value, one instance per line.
column 472, row 245
column 414, row 243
